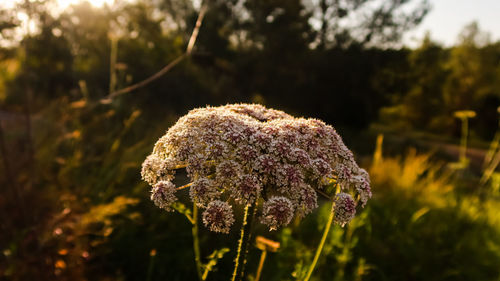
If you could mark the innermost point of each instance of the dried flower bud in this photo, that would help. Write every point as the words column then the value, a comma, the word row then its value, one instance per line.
column 279, row 147
column 300, row 156
column 227, row 172
column 163, row 196
column 292, row 175
column 308, row 200
column 361, row 183
column 149, row 169
column 246, row 153
column 277, row 211
column 218, row 216
column 166, row 170
column 345, row 208
column 203, row 191
column 321, row 168
column 248, row 189
column 267, row 164
column 344, row 174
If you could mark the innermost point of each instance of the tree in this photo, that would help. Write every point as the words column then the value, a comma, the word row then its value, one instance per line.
column 7, row 22
column 424, row 99
column 365, row 22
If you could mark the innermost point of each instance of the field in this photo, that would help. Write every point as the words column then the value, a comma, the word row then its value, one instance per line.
column 77, row 123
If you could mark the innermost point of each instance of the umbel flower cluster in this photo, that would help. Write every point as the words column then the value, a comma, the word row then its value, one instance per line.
column 244, row 154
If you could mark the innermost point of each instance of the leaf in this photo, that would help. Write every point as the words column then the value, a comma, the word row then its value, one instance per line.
column 181, row 208
column 213, row 259
column 419, row 213
column 102, row 213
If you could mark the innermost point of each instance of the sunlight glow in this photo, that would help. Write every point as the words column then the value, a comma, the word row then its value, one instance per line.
column 63, row 4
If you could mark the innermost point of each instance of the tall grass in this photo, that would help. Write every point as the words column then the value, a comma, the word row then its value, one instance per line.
column 426, row 228
column 421, row 225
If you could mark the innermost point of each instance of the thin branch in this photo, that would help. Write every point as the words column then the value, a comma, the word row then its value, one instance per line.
column 491, row 168
column 184, row 186
column 180, row 166
column 196, row 29
column 191, row 183
column 145, row 81
column 323, row 193
column 190, row 219
column 168, row 67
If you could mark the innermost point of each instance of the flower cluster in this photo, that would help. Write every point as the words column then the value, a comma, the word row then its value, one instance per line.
column 218, row 216
column 163, row 196
column 244, row 153
column 345, row 208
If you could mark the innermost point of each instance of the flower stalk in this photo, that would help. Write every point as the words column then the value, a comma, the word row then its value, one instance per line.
column 321, row 243
column 264, row 245
column 240, row 261
column 261, row 264
column 196, row 242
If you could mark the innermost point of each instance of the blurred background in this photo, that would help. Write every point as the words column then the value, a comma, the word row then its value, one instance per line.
column 412, row 86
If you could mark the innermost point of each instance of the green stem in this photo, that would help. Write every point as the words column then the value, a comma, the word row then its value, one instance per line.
column 463, row 141
column 196, row 242
column 205, row 273
column 239, row 262
column 321, row 244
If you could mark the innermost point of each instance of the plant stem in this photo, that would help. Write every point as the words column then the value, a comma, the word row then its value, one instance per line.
column 112, row 63
column 239, row 262
column 185, row 186
column 261, row 265
column 463, row 141
column 151, row 266
column 321, row 244
column 196, row 242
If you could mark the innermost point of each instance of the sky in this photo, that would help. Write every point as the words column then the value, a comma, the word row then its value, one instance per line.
column 448, row 17
column 444, row 22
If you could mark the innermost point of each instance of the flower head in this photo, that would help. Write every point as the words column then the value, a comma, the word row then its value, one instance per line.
column 202, row 191
column 277, row 211
column 247, row 152
column 228, row 172
column 308, row 200
column 218, row 216
column 163, row 195
column 247, row 190
column 362, row 184
column 150, row 167
column 345, row 208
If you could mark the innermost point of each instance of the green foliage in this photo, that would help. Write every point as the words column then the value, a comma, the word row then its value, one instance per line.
column 427, row 213
column 182, row 209
column 213, row 258
column 420, row 225
column 438, row 81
